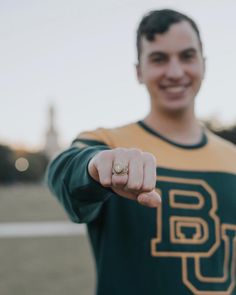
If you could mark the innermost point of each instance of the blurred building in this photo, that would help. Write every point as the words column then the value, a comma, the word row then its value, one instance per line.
column 52, row 146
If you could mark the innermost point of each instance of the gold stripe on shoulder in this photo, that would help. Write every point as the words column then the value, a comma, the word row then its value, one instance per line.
column 217, row 155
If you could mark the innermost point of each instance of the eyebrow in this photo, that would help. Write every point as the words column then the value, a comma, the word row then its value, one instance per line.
column 162, row 53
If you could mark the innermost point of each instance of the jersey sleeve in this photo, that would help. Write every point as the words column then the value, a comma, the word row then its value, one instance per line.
column 68, row 179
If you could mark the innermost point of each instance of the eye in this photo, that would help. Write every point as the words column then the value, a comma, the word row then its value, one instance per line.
column 188, row 55
column 159, row 59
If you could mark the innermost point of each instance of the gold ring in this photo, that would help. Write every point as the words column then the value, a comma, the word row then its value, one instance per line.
column 119, row 169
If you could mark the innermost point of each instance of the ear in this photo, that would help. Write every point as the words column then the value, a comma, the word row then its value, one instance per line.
column 204, row 66
column 138, row 73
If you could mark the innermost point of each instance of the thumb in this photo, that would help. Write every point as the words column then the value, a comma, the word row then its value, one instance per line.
column 151, row 199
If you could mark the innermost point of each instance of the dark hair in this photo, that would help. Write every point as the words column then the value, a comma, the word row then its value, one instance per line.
column 158, row 22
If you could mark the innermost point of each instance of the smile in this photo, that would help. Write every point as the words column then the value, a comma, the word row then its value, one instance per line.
column 175, row 88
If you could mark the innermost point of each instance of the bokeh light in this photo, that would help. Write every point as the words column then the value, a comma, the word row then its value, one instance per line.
column 22, row 164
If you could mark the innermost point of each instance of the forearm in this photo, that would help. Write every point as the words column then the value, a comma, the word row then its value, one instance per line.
column 69, row 180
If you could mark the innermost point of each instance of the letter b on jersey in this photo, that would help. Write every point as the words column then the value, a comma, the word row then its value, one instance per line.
column 186, row 223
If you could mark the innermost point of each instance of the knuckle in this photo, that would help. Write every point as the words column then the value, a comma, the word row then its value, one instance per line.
column 104, row 156
column 149, row 157
column 135, row 153
column 119, row 151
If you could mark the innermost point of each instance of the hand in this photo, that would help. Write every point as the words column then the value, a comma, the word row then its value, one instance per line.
column 140, row 182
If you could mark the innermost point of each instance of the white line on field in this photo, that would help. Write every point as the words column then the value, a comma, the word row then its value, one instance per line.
column 40, row 229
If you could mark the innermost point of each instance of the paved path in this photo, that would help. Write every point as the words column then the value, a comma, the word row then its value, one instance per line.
column 40, row 229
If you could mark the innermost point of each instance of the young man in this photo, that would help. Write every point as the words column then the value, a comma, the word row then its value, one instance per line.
column 174, row 233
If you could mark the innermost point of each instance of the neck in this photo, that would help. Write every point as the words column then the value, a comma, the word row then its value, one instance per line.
column 181, row 128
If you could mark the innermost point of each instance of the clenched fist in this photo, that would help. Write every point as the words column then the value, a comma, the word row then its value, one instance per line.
column 130, row 173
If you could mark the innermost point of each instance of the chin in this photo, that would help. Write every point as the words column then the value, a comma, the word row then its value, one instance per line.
column 176, row 107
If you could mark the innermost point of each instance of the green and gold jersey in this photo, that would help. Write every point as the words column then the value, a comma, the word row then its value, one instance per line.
column 185, row 246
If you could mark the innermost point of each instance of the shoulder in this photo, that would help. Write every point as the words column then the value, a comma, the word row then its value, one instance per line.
column 109, row 136
column 221, row 144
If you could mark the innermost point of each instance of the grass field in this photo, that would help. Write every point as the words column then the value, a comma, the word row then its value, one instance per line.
column 41, row 265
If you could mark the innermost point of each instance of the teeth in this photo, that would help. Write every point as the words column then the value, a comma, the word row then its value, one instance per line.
column 175, row 89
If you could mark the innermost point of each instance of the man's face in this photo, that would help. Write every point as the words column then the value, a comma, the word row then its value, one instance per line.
column 172, row 68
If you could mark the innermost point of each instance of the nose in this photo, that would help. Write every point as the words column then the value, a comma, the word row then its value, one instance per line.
column 175, row 70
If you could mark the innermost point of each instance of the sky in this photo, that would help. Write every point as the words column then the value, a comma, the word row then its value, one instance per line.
column 80, row 56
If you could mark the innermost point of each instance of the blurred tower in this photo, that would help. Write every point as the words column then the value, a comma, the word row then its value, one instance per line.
column 51, row 139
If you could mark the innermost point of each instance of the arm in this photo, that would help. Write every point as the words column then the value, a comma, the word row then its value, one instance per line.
column 69, row 180
column 82, row 178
